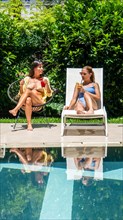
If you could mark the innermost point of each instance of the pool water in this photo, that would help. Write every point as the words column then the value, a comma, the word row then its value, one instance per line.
column 46, row 192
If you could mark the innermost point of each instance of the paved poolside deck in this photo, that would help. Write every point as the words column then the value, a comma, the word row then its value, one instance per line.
column 45, row 135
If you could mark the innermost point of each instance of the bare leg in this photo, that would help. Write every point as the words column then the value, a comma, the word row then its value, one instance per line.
column 88, row 162
column 28, row 152
column 78, row 164
column 28, row 113
column 36, row 155
column 33, row 94
column 20, row 154
column 91, row 104
column 79, row 108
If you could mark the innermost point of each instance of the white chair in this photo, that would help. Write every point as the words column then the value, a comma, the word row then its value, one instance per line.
column 98, row 174
column 73, row 76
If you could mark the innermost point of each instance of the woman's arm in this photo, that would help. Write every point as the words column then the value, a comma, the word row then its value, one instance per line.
column 21, row 86
column 74, row 98
column 20, row 154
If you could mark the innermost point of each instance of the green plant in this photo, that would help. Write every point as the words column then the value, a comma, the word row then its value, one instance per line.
column 64, row 37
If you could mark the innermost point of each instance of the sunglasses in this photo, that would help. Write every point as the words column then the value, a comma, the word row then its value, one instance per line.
column 82, row 73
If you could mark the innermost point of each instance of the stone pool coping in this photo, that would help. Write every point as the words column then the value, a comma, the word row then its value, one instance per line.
column 49, row 135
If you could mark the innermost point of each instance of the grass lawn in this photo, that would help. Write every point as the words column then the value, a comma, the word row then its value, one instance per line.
column 38, row 120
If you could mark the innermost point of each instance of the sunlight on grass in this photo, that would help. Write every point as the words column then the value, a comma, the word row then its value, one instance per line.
column 46, row 120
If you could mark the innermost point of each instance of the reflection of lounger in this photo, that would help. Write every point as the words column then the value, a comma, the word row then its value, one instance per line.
column 98, row 175
column 74, row 174
column 2, row 152
column 72, row 151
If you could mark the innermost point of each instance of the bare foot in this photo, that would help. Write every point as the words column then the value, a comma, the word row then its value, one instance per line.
column 89, row 112
column 66, row 107
column 13, row 112
column 13, row 150
column 29, row 128
column 29, row 158
column 80, row 112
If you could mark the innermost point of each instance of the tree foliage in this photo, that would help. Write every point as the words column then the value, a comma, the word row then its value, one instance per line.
column 73, row 34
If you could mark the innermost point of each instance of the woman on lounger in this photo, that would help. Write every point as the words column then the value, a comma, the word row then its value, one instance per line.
column 34, row 89
column 86, row 94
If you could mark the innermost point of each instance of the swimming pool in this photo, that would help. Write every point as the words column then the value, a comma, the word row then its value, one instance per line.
column 53, row 192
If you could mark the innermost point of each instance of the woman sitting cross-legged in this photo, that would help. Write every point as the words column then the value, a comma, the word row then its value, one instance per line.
column 34, row 89
column 86, row 94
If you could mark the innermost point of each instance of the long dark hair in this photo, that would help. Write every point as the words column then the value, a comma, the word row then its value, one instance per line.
column 33, row 66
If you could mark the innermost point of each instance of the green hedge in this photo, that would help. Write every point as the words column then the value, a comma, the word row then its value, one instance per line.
column 73, row 34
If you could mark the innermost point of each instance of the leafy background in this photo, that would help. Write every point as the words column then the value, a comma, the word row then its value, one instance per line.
column 64, row 34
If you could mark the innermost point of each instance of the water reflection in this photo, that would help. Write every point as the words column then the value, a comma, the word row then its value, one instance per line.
column 38, row 184
column 85, row 169
column 81, row 151
column 29, row 156
column 84, row 163
column 23, row 182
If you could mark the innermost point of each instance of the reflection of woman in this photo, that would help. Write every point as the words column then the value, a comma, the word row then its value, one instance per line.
column 34, row 90
column 29, row 156
column 86, row 94
column 87, row 164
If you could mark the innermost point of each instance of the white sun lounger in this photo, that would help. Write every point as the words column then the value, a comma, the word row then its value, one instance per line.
column 72, row 77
